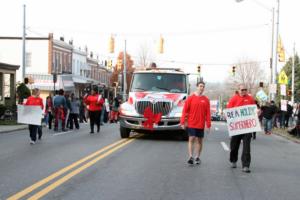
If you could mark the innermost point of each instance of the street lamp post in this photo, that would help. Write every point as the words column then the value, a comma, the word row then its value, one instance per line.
column 24, row 44
column 124, row 74
column 273, row 75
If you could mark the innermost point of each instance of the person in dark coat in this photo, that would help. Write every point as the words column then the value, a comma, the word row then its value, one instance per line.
column 268, row 112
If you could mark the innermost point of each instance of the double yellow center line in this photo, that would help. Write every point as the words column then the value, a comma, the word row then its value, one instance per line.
column 98, row 156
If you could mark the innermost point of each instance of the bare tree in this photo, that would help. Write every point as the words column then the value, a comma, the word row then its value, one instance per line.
column 248, row 73
column 145, row 55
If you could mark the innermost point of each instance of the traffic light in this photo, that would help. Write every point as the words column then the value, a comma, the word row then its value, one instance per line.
column 199, row 68
column 54, row 78
column 261, row 84
column 281, row 55
column 119, row 64
column 233, row 70
column 161, row 45
column 109, row 63
column 111, row 47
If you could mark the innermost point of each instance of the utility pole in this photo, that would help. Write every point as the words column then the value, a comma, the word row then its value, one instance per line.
column 272, row 76
column 24, row 44
column 124, row 75
column 277, row 35
column 293, row 75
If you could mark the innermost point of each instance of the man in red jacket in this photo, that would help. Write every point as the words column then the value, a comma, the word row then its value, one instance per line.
column 241, row 99
column 94, row 103
column 35, row 100
column 196, row 112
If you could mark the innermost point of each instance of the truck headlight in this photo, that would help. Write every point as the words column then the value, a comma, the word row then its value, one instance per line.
column 127, row 112
column 178, row 114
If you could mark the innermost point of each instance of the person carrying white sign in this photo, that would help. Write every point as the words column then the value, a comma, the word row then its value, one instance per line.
column 241, row 99
column 35, row 100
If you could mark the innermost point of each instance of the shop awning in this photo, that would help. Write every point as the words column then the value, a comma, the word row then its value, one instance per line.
column 45, row 82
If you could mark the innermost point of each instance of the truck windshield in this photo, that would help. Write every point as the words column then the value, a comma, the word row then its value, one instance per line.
column 160, row 82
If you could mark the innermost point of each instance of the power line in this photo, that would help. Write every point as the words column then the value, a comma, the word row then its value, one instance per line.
column 174, row 33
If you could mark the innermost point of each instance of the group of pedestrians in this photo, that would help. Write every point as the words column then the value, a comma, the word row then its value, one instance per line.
column 68, row 111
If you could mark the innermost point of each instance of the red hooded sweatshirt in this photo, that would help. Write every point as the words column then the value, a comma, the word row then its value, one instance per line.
column 197, row 111
column 94, row 103
column 34, row 101
column 238, row 100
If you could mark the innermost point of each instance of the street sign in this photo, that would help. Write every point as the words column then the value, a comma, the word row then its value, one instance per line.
column 282, row 78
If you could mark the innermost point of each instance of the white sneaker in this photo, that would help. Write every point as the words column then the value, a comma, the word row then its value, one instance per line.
column 32, row 142
column 233, row 165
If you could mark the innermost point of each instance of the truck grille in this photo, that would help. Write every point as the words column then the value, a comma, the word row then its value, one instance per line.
column 163, row 107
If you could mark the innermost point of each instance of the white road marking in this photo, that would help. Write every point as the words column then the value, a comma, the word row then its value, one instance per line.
column 216, row 128
column 224, row 145
column 62, row 133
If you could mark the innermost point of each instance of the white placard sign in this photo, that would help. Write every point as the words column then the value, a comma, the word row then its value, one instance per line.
column 283, row 105
column 283, row 90
column 242, row 119
column 261, row 95
column 273, row 88
column 29, row 114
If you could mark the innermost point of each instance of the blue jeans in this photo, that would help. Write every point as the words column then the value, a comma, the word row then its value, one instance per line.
column 267, row 124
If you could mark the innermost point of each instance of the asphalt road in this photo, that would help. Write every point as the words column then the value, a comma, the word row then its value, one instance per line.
column 143, row 167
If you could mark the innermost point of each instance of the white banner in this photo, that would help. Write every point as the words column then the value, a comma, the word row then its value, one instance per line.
column 30, row 114
column 242, row 119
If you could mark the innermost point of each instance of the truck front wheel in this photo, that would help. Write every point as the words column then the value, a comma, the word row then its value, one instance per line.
column 125, row 132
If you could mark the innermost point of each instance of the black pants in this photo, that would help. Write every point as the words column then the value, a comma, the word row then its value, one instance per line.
column 286, row 121
column 50, row 118
column 33, row 130
column 82, row 117
column 94, row 119
column 234, row 146
column 254, row 135
column 74, row 119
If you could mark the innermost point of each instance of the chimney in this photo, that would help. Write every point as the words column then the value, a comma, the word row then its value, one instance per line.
column 71, row 42
column 50, row 36
column 91, row 54
column 62, row 38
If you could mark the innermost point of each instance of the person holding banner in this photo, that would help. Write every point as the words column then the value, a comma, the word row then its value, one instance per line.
column 35, row 100
column 195, row 114
column 241, row 99
column 95, row 103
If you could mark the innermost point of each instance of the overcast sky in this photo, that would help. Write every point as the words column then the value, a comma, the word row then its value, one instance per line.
column 213, row 33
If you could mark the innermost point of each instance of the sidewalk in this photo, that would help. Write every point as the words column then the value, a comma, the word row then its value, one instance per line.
column 11, row 128
column 283, row 133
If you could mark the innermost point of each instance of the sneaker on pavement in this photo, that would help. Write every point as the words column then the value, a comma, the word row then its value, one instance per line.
column 246, row 170
column 233, row 165
column 32, row 142
column 197, row 161
column 191, row 161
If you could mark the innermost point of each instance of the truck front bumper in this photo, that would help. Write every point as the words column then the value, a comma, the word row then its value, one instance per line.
column 136, row 123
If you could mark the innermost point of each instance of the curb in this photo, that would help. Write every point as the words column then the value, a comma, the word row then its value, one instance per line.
column 13, row 130
column 290, row 138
